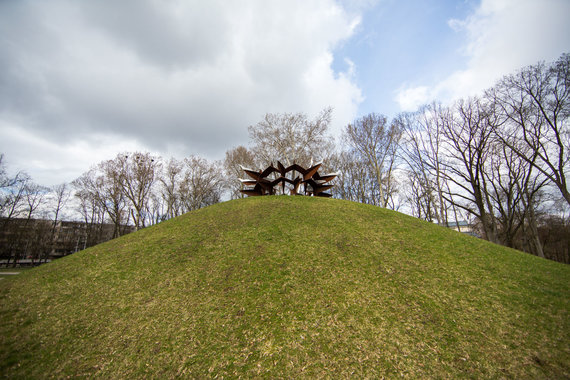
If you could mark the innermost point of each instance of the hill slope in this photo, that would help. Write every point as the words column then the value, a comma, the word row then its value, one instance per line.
column 289, row 287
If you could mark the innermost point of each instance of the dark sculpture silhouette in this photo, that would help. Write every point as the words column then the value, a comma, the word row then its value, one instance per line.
column 263, row 182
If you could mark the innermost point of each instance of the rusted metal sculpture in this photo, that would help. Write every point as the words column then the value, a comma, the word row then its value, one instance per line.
column 263, row 182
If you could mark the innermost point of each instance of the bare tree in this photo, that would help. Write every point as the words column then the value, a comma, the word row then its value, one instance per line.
column 468, row 148
column 554, row 233
column 156, row 208
column 353, row 182
column 234, row 158
column 34, row 195
column 375, row 143
column 61, row 194
column 25, row 234
column 13, row 195
column 292, row 138
column 421, row 149
column 3, row 172
column 93, row 216
column 531, row 197
column 514, row 188
column 202, row 184
column 170, row 180
column 138, row 173
column 103, row 185
column 536, row 105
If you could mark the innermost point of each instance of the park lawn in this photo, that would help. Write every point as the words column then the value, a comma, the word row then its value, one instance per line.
column 295, row 287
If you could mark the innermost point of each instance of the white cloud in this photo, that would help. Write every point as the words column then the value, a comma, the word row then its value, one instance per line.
column 50, row 162
column 411, row 98
column 149, row 74
column 502, row 36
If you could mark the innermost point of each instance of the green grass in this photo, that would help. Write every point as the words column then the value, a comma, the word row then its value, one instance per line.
column 289, row 287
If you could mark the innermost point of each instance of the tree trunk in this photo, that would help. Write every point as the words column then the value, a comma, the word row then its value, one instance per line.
column 535, row 244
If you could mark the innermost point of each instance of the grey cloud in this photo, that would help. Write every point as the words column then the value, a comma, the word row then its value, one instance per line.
column 194, row 73
column 159, row 33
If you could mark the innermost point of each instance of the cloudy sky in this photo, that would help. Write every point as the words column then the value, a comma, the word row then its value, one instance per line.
column 81, row 80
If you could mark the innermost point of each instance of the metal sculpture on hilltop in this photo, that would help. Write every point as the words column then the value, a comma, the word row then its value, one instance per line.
column 264, row 182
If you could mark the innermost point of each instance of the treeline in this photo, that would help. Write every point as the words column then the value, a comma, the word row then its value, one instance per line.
column 22, row 201
column 143, row 189
column 498, row 160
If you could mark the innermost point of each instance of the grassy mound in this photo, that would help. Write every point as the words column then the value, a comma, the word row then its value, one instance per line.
column 289, row 287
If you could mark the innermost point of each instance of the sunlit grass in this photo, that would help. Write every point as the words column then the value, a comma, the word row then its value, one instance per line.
column 289, row 287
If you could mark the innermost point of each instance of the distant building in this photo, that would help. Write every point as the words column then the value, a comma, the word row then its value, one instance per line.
column 461, row 226
column 34, row 241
